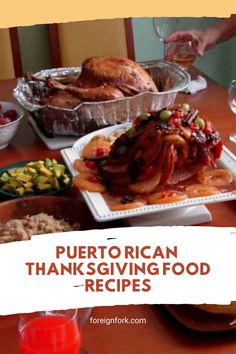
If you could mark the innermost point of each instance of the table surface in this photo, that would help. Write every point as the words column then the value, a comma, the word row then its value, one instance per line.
column 161, row 333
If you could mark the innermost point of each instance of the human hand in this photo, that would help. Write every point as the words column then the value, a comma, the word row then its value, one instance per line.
column 202, row 39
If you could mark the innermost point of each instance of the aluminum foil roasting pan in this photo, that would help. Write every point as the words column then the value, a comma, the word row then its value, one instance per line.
column 89, row 116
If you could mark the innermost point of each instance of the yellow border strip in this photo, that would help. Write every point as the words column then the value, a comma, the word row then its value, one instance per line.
column 28, row 12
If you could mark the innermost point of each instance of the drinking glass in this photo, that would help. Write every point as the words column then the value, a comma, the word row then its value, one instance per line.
column 181, row 52
column 232, row 104
column 164, row 26
column 50, row 332
column 83, row 315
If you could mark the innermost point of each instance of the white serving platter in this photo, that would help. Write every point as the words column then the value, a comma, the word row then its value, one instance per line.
column 55, row 143
column 80, row 143
column 100, row 210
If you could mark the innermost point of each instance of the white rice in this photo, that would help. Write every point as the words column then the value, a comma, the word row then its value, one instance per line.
column 25, row 228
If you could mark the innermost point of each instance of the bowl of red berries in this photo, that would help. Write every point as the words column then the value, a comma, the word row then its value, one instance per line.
column 10, row 117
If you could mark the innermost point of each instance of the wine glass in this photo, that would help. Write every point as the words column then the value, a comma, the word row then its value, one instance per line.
column 83, row 315
column 232, row 104
column 181, row 52
column 164, row 26
column 50, row 332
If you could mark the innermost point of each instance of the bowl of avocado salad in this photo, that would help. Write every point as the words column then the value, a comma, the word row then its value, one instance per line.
column 27, row 178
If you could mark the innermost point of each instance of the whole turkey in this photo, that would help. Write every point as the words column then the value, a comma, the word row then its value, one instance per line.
column 103, row 78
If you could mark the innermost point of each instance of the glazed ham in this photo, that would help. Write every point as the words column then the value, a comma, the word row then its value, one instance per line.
column 160, row 149
column 105, row 78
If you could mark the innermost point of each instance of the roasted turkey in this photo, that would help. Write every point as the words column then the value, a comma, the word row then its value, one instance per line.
column 160, row 149
column 101, row 79
column 121, row 73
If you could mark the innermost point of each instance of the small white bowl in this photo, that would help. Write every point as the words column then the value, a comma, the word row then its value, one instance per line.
column 7, row 131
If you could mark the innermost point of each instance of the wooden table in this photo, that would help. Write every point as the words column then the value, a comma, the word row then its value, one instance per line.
column 161, row 333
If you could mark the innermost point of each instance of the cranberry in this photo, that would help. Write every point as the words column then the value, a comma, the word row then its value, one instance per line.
column 194, row 127
column 218, row 150
column 175, row 120
column 4, row 120
column 170, row 194
column 92, row 179
column 90, row 164
column 11, row 113
column 176, row 114
column 100, row 152
column 207, row 131
column 167, row 195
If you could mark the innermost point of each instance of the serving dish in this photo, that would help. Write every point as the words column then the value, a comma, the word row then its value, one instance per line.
column 59, row 207
column 89, row 116
column 7, row 131
column 201, row 321
column 97, row 204
column 11, row 195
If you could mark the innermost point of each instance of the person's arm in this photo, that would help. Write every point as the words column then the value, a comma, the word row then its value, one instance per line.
column 209, row 38
column 226, row 28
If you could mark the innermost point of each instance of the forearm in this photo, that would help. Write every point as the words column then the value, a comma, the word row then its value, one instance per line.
column 225, row 29
column 209, row 38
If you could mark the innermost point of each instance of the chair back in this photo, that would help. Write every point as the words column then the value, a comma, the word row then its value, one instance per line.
column 72, row 43
column 10, row 58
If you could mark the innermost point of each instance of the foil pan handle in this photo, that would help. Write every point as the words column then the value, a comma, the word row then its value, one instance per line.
column 23, row 94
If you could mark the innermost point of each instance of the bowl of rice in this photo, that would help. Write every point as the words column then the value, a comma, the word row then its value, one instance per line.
column 22, row 218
